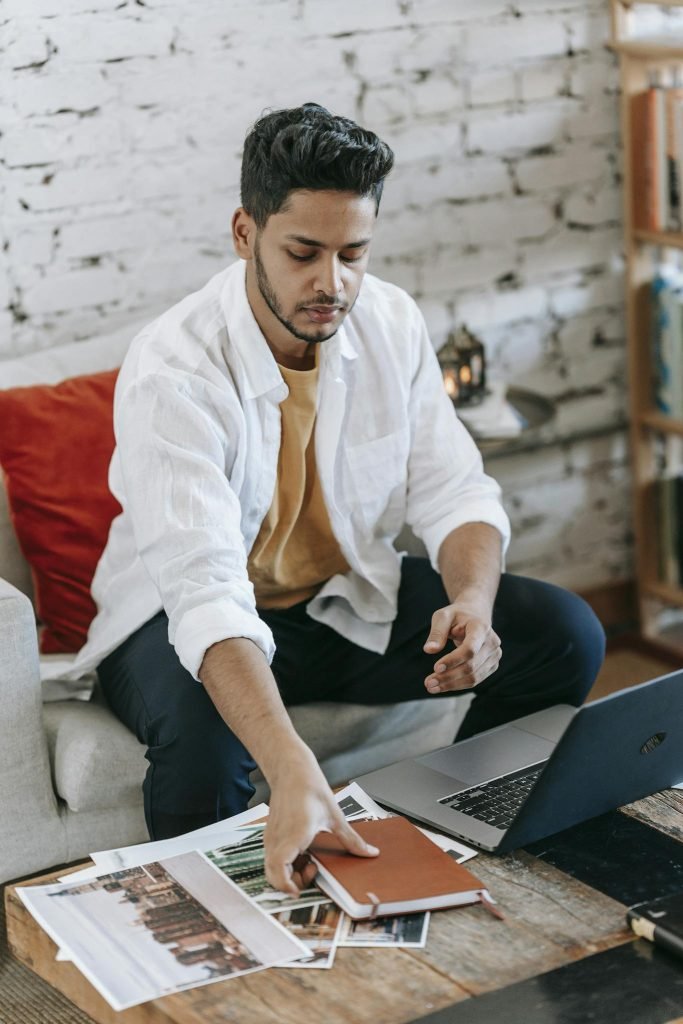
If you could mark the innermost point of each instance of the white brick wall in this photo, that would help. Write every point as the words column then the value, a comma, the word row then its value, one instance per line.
column 122, row 132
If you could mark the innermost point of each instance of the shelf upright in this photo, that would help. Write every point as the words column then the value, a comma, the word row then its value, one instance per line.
column 637, row 60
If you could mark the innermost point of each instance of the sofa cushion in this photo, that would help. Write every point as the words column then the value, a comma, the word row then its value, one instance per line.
column 97, row 762
column 61, row 506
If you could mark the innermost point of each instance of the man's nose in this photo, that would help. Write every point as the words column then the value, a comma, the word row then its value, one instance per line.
column 328, row 278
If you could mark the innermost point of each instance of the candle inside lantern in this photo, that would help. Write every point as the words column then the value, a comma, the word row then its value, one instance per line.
column 450, row 383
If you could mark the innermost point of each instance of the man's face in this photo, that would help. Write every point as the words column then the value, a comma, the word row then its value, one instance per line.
column 307, row 265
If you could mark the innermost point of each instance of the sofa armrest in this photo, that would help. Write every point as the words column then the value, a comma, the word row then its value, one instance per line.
column 28, row 805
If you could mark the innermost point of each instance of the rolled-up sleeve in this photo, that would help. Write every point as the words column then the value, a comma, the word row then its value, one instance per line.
column 174, row 453
column 447, row 485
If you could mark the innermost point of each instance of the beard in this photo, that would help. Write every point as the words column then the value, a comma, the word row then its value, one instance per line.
column 271, row 300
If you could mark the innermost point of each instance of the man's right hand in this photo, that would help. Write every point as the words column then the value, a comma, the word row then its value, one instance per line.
column 238, row 680
column 301, row 805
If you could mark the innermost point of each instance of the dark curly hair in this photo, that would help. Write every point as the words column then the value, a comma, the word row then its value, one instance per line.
column 307, row 147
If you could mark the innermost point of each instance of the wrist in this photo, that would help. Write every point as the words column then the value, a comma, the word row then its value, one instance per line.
column 291, row 756
column 474, row 602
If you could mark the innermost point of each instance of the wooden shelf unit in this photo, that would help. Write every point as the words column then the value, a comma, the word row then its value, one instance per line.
column 637, row 59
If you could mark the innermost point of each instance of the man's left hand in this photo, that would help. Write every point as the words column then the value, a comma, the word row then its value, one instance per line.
column 476, row 655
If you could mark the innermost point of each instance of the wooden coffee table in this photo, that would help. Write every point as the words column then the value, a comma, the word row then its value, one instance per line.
column 552, row 921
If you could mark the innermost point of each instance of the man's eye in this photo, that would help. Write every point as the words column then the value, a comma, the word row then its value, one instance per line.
column 300, row 259
column 353, row 259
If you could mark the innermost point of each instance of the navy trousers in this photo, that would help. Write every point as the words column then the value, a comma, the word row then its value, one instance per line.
column 552, row 644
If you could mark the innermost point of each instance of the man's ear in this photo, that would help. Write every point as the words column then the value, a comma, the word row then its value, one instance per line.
column 243, row 233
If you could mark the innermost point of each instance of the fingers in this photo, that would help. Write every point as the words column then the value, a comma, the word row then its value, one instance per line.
column 280, row 870
column 352, row 842
column 287, row 865
column 454, row 673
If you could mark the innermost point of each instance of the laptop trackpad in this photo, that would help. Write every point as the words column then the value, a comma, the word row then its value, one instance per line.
column 489, row 755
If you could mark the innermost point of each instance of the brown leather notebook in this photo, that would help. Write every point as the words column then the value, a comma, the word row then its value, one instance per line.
column 411, row 873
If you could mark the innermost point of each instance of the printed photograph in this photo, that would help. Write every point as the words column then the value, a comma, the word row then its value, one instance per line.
column 244, row 863
column 144, row 932
column 401, row 930
column 318, row 927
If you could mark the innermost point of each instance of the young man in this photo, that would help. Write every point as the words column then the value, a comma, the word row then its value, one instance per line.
column 274, row 432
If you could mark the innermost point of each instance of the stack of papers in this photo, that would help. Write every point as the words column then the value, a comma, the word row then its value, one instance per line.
column 158, row 918
column 494, row 416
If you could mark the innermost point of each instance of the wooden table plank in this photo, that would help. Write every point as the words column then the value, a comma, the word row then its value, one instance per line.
column 663, row 811
column 376, row 986
column 551, row 920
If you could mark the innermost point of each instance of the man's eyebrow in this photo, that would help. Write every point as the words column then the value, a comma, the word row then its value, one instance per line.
column 302, row 240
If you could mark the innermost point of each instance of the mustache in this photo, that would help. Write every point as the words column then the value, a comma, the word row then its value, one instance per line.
column 322, row 300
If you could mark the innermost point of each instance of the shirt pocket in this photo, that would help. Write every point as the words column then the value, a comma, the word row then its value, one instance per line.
column 377, row 476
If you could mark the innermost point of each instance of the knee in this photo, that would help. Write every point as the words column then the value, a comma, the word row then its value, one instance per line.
column 561, row 629
column 576, row 632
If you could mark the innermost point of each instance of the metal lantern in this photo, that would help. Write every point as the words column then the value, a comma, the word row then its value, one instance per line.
column 463, row 366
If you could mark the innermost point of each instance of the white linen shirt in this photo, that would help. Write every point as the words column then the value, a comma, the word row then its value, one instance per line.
column 197, row 426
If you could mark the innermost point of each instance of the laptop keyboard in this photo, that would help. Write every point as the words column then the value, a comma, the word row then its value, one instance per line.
column 498, row 801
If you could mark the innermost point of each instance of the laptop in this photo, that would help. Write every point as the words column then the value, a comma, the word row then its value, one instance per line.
column 545, row 772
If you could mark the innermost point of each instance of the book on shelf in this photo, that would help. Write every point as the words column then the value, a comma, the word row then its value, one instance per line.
column 656, row 116
column 666, row 298
column 411, row 873
column 668, row 488
column 660, row 921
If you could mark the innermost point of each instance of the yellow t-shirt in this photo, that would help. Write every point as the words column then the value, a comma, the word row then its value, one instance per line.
column 295, row 551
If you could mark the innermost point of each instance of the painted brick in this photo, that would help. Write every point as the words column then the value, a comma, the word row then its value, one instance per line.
column 49, row 8
column 452, row 271
column 24, row 46
column 489, row 88
column 500, row 43
column 513, row 352
column 588, row 31
column 32, row 247
column 573, row 164
column 505, row 220
column 62, row 139
column 68, row 189
column 109, row 234
column 599, row 120
column 436, row 12
column 436, row 95
column 592, row 207
column 43, row 92
column 502, row 307
column 438, row 318
column 89, row 37
column 426, row 184
column 80, row 288
column 420, row 141
column 332, row 19
column 569, row 250
column 606, row 290
column 386, row 105
column 509, row 133
column 545, row 81
column 401, row 271
column 412, row 231
column 592, row 77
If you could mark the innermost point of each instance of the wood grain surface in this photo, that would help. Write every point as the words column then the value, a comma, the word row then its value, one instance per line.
column 551, row 919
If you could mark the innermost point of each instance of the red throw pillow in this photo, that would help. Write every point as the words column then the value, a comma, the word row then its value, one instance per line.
column 56, row 442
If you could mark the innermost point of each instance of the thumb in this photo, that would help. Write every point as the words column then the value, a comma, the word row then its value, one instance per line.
column 354, row 843
column 438, row 634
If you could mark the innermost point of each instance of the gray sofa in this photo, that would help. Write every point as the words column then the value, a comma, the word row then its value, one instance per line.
column 70, row 773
